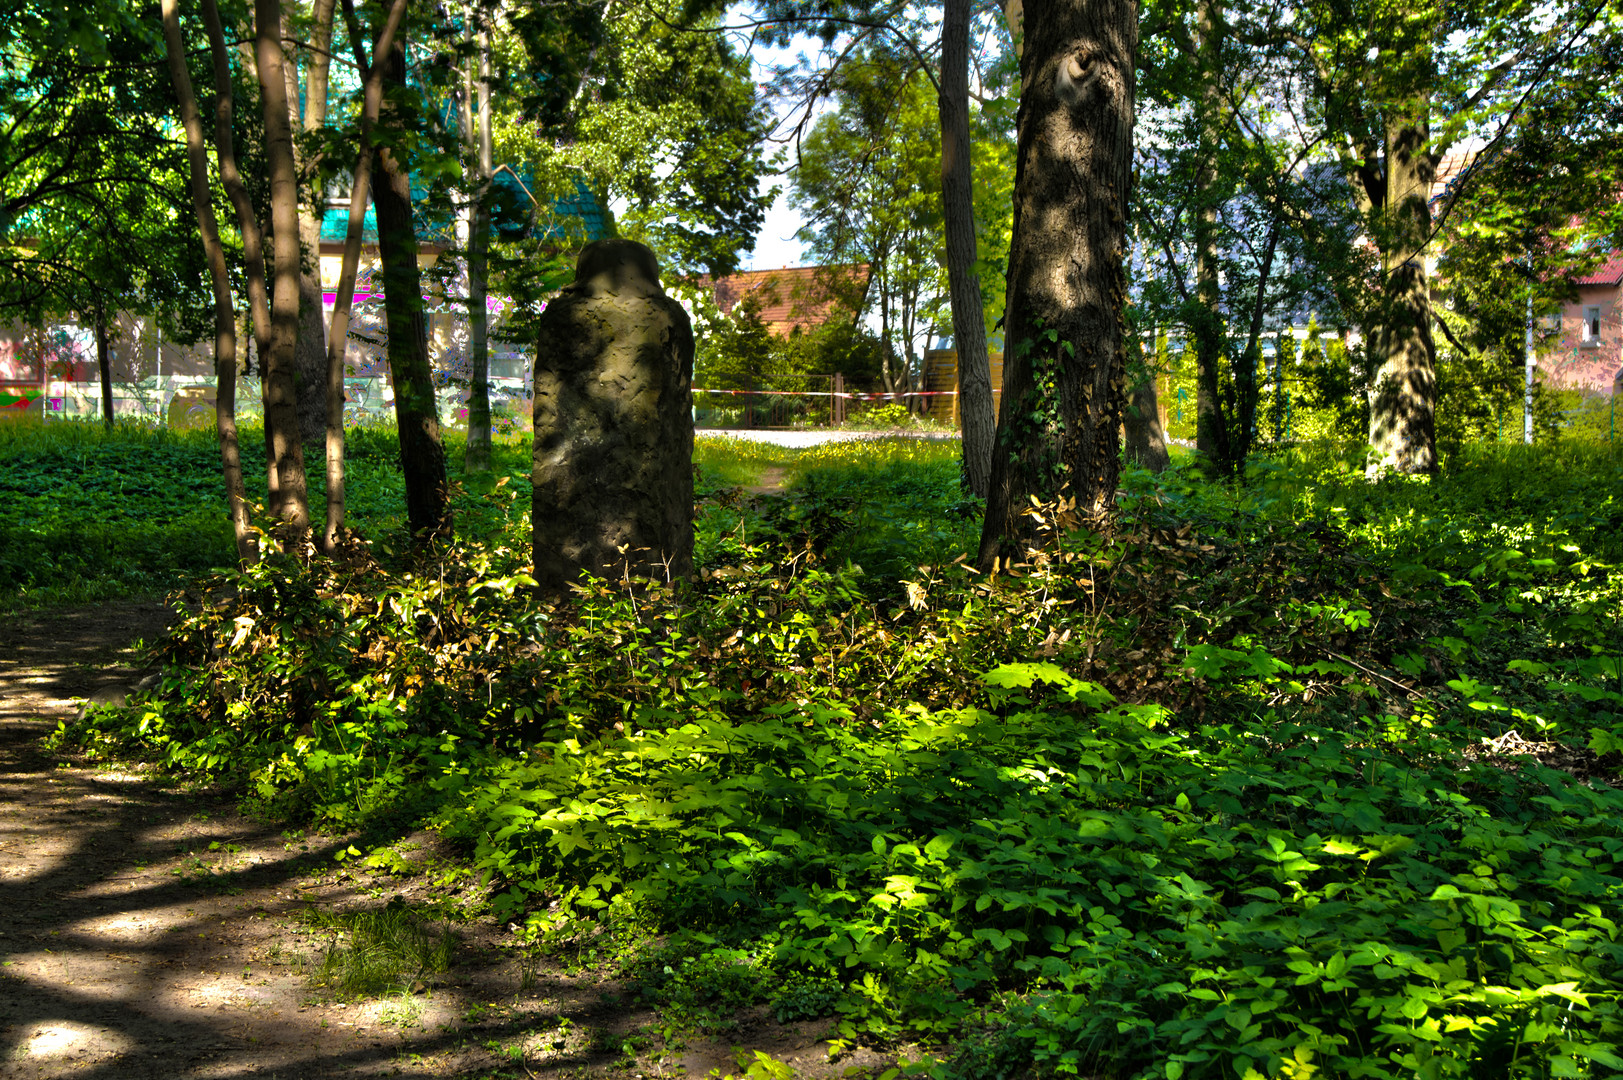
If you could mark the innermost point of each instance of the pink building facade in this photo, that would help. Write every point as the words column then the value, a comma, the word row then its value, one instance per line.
column 1588, row 355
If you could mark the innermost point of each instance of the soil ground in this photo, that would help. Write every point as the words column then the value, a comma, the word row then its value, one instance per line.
column 148, row 930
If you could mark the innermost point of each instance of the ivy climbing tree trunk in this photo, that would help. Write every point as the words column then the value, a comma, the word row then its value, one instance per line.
column 422, row 457
column 1064, row 381
column 225, row 316
column 958, row 216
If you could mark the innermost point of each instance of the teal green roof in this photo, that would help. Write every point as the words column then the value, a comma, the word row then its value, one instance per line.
column 511, row 219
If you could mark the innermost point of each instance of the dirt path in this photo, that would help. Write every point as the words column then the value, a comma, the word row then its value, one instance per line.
column 770, row 482
column 149, row 931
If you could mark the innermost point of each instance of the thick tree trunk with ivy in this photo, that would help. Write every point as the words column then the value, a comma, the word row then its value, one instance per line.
column 225, row 315
column 280, row 379
column 958, row 216
column 1064, row 381
column 1402, row 400
column 422, row 456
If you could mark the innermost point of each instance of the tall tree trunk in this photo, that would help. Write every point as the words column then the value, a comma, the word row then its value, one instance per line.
column 478, row 452
column 975, row 411
column 280, row 379
column 1064, row 366
column 422, row 457
column 343, row 301
column 253, row 240
column 104, row 363
column 1247, row 387
column 225, row 316
column 887, row 355
column 1145, row 442
column 1402, row 400
column 1211, row 423
column 311, row 354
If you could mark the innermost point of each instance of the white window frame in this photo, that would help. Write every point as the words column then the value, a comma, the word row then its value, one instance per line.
column 1591, row 326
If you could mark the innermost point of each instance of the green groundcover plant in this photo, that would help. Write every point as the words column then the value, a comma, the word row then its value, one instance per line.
column 1304, row 777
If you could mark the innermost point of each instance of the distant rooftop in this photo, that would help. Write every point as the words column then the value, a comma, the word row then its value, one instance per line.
column 1609, row 272
column 794, row 296
column 510, row 217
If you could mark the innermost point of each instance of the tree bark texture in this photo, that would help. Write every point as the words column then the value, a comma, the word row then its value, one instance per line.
column 1145, row 441
column 1208, row 329
column 104, row 364
column 613, row 466
column 1403, row 396
column 478, row 452
column 280, row 377
column 1064, row 382
column 312, row 349
column 253, row 240
column 422, row 456
column 975, row 412
column 225, row 316
column 360, row 191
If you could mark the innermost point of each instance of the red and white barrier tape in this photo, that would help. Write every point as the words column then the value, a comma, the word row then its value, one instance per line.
column 831, row 393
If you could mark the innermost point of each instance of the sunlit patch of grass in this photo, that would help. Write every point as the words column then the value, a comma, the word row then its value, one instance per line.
column 730, row 462
column 382, row 951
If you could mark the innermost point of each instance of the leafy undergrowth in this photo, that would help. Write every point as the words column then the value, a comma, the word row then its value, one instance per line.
column 1209, row 796
column 90, row 513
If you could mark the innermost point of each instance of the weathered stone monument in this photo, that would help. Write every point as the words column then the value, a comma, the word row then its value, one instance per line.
column 613, row 466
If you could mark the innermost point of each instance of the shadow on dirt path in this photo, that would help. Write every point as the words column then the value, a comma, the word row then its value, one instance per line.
column 148, row 930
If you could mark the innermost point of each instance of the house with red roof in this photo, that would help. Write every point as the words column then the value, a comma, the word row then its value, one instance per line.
column 793, row 298
column 1589, row 353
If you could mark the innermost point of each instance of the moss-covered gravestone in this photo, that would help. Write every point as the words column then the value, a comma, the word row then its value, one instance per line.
column 613, row 465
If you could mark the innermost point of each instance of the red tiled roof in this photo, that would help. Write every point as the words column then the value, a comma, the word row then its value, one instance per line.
column 1452, row 171
column 802, row 296
column 1609, row 272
